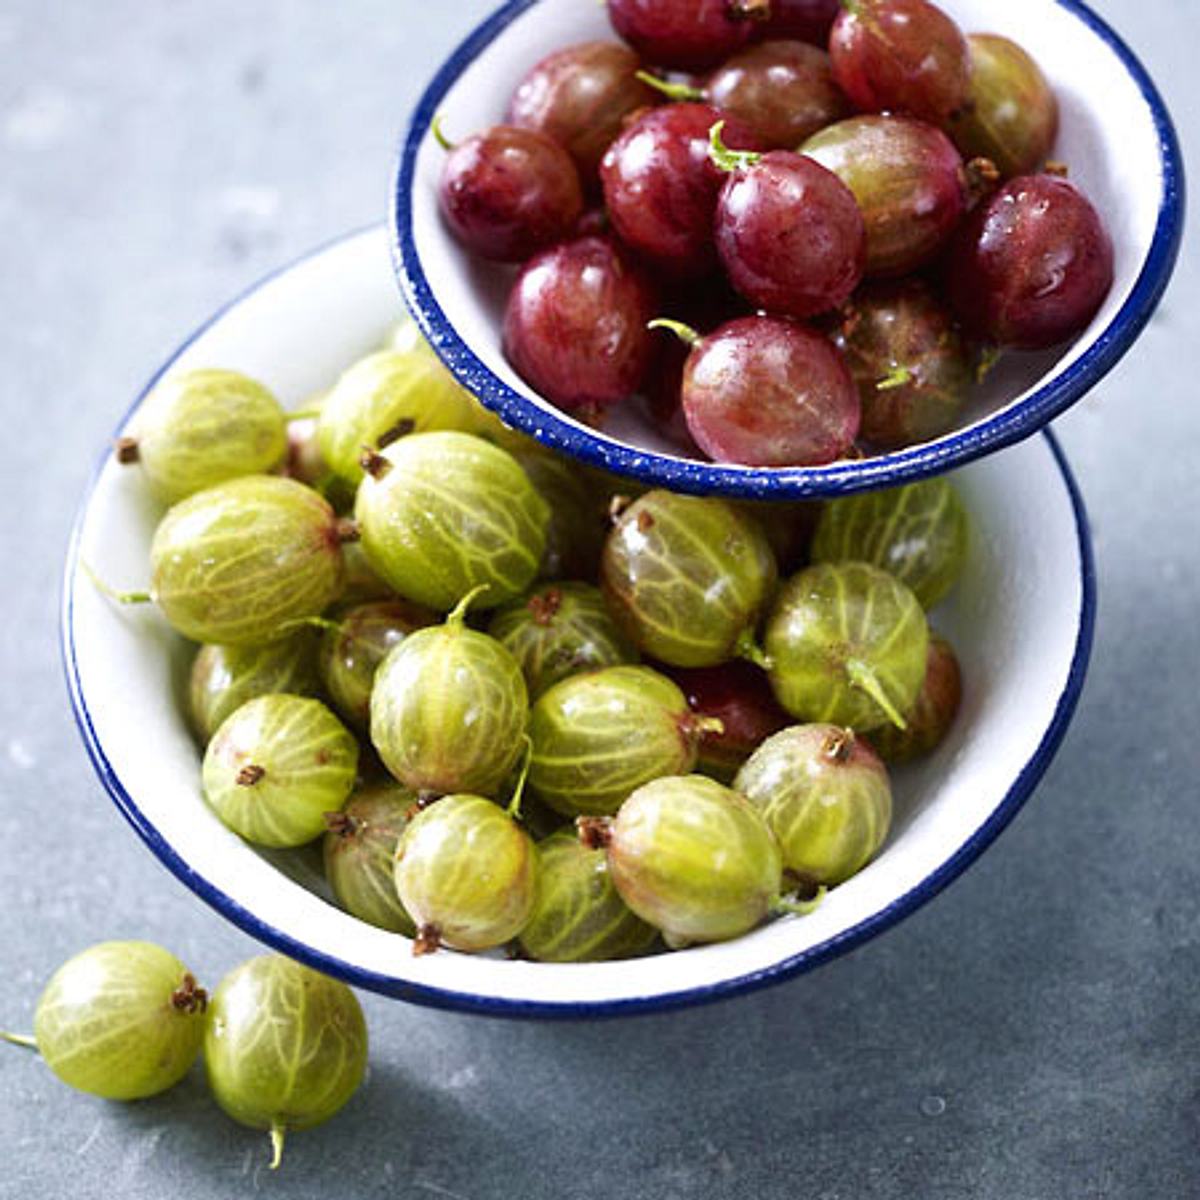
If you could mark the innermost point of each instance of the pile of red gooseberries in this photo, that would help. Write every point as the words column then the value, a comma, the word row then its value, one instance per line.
column 844, row 210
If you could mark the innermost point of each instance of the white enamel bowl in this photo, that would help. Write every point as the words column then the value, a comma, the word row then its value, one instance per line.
column 1115, row 135
column 1021, row 621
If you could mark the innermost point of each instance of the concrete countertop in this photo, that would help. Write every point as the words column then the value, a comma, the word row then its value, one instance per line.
column 1033, row 1034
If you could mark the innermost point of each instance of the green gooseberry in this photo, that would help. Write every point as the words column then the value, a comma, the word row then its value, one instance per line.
column 694, row 859
column 200, row 428
column 358, row 850
column 223, row 678
column 466, row 873
column 558, row 630
column 362, row 584
column 826, row 796
column 579, row 915
column 387, row 395
column 930, row 718
column 846, row 645
column 599, row 736
column 444, row 513
column 448, row 709
column 688, row 577
column 919, row 533
column 285, row 1047
column 276, row 766
column 575, row 534
column 356, row 643
column 240, row 562
column 121, row 1020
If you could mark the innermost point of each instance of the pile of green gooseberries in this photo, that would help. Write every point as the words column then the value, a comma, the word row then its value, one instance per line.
column 284, row 1046
column 524, row 704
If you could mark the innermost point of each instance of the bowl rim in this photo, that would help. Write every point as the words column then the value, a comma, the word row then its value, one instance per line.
column 1019, row 792
column 1011, row 424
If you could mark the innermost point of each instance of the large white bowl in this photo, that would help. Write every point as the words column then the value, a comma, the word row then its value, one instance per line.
column 1116, row 136
column 1021, row 621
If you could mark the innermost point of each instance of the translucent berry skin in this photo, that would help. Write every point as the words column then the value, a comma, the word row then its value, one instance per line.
column 661, row 187
column 694, row 859
column 579, row 916
column 350, row 654
column 387, row 394
column 575, row 324
column 687, row 35
column 1012, row 117
column 808, row 20
column 236, row 563
column 200, row 428
column 908, row 179
column 782, row 91
column 448, row 710
column 598, row 736
column 358, row 849
column 768, row 392
column 581, row 96
column 276, row 767
column 825, row 795
column 445, row 513
column 909, row 361
column 901, row 56
column 738, row 695
column 558, row 630
column 121, row 1020
column 467, row 873
column 919, row 534
column 223, row 678
column 687, row 577
column 839, row 632
column 1031, row 267
column 285, row 1047
column 509, row 192
column 930, row 719
column 790, row 236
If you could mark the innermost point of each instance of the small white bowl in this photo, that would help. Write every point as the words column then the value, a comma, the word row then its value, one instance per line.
column 1021, row 621
column 1115, row 135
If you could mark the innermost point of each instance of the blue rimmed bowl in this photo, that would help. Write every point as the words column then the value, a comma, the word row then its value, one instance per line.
column 1021, row 620
column 1116, row 136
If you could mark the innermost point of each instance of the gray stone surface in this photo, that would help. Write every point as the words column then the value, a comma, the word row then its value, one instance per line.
column 1034, row 1034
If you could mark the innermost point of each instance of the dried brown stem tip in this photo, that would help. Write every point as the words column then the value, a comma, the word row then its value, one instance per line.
column 617, row 505
column 373, row 463
column 428, row 939
column 983, row 178
column 126, row 450
column 839, row 746
column 595, row 833
column 189, row 996
column 544, row 605
column 347, row 530
column 1056, row 168
column 250, row 774
column 343, row 824
column 402, row 428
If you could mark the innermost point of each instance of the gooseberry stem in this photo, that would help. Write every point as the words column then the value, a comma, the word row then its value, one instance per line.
column 302, row 414
column 840, row 745
column 685, row 333
column 896, row 377
column 989, row 356
column 19, row 1039
column 725, row 159
column 112, row 593
column 862, row 677
column 694, row 726
column 750, row 10
column 746, row 647
column 595, row 833
column 514, row 805
column 126, row 450
column 458, row 614
column 781, row 906
column 673, row 91
column 278, row 1132
column 983, row 178
column 439, row 135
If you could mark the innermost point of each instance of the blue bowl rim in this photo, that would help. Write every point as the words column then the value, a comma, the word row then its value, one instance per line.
column 1023, row 786
column 1009, row 425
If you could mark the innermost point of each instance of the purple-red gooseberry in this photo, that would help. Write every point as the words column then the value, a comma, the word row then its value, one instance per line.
column 688, row 35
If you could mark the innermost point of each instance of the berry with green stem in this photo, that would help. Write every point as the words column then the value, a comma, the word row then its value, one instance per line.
column 930, row 718
column 200, row 428
column 826, row 796
column 276, row 767
column 285, row 1047
column 448, row 709
column 847, row 644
